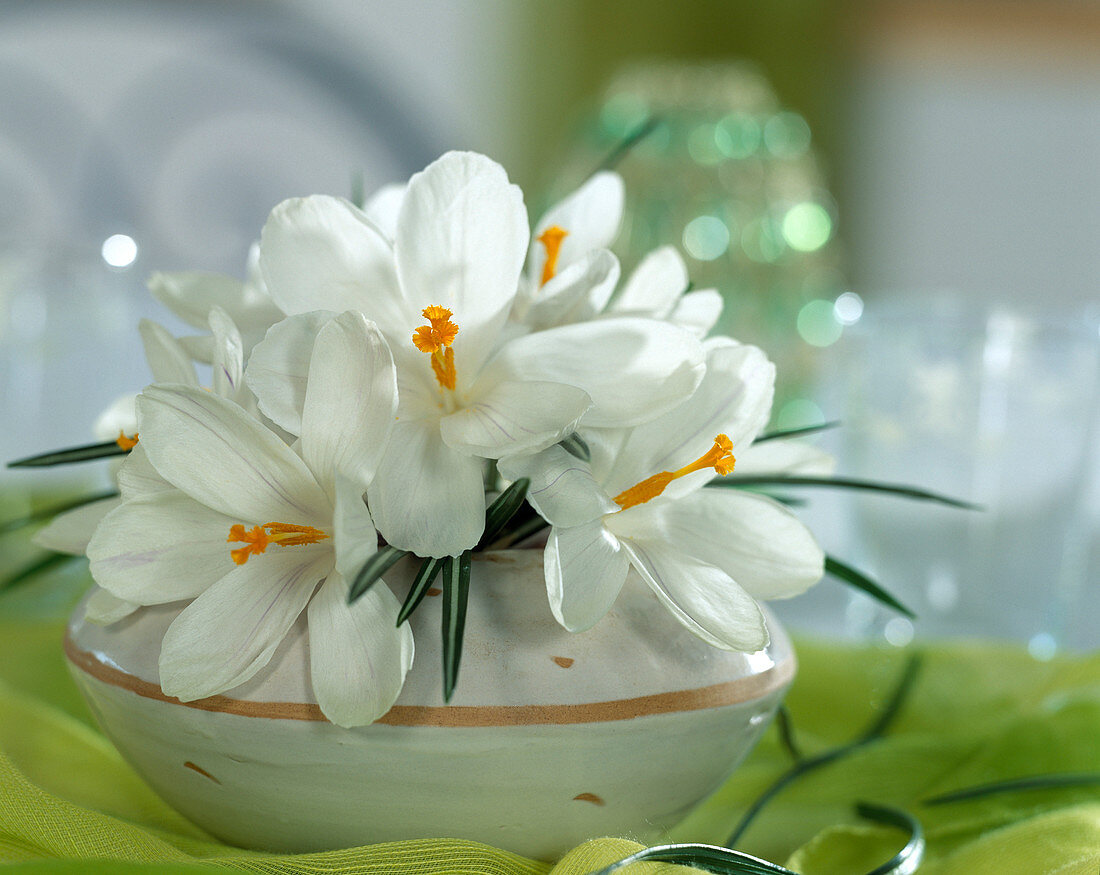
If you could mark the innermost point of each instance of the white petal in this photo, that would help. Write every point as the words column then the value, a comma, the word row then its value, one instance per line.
column 137, row 476
column 577, row 293
column 591, row 214
column 562, row 490
column 704, row 598
column 734, row 398
column 71, row 531
column 655, row 285
column 168, row 361
column 358, row 656
column 321, row 253
column 190, row 296
column 201, row 347
column 120, row 416
column 634, row 369
column 160, row 548
column 785, row 457
column 278, row 368
column 351, row 398
column 384, row 206
column 755, row 540
column 426, row 497
column 585, row 569
column 231, row 631
column 354, row 536
column 228, row 354
column 697, row 311
column 460, row 242
column 212, row 450
column 515, row 418
column 103, row 609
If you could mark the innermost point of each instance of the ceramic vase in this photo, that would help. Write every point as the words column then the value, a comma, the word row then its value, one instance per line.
column 551, row 737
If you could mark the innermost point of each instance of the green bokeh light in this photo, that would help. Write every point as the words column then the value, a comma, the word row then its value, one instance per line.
column 817, row 324
column 797, row 413
column 807, row 226
column 706, row 238
column 786, row 135
column 738, row 135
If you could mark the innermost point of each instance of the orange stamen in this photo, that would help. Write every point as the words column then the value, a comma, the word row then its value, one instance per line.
column 551, row 240
column 436, row 338
column 259, row 538
column 126, row 443
column 719, row 457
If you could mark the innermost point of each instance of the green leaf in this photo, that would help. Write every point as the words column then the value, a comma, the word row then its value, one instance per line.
column 1037, row 782
column 624, row 146
column 456, row 592
column 909, row 857
column 780, row 479
column 863, row 583
column 53, row 510
column 429, row 569
column 502, row 510
column 785, row 726
column 893, row 706
column 525, row 530
column 879, row 725
column 73, row 454
column 358, row 192
column 707, row 858
column 39, row 566
column 796, row 432
column 575, row 446
column 372, row 569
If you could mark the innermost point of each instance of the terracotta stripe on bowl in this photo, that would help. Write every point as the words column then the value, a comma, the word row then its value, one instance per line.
column 714, row 696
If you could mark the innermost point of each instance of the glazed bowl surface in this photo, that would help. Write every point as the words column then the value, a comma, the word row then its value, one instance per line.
column 551, row 737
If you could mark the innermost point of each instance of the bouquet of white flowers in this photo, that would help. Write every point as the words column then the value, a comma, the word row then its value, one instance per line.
column 425, row 376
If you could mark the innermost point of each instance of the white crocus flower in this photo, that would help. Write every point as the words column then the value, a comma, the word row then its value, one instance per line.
column 708, row 554
column 570, row 272
column 191, row 295
column 658, row 288
column 442, row 295
column 255, row 533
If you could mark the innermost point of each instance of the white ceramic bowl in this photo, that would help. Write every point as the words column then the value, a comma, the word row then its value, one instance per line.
column 551, row 737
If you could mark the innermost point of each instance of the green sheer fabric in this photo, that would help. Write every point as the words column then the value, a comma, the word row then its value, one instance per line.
column 978, row 713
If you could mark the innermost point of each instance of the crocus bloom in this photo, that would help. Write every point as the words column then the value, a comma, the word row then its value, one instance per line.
column 708, row 554
column 442, row 295
column 255, row 532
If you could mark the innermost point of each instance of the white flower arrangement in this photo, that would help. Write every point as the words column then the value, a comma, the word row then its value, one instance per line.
column 395, row 380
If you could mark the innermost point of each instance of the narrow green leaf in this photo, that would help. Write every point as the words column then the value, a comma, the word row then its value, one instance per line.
column 372, row 569
column 909, row 857
column 707, row 858
column 456, row 592
column 525, row 530
column 863, row 583
column 502, row 510
column 780, row 479
column 796, row 432
column 1037, row 782
column 785, row 726
column 38, row 566
column 575, row 446
column 53, row 510
column 624, row 146
column 429, row 569
column 358, row 190
column 73, row 454
column 806, row 765
column 898, row 698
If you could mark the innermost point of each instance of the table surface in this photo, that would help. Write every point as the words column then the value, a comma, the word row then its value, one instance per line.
column 977, row 713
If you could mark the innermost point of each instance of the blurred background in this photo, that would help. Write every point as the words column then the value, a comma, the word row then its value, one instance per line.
column 899, row 201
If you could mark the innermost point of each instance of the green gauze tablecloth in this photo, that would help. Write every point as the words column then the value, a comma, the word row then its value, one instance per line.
column 978, row 714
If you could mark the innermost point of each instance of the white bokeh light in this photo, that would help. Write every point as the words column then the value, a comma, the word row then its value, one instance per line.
column 119, row 250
